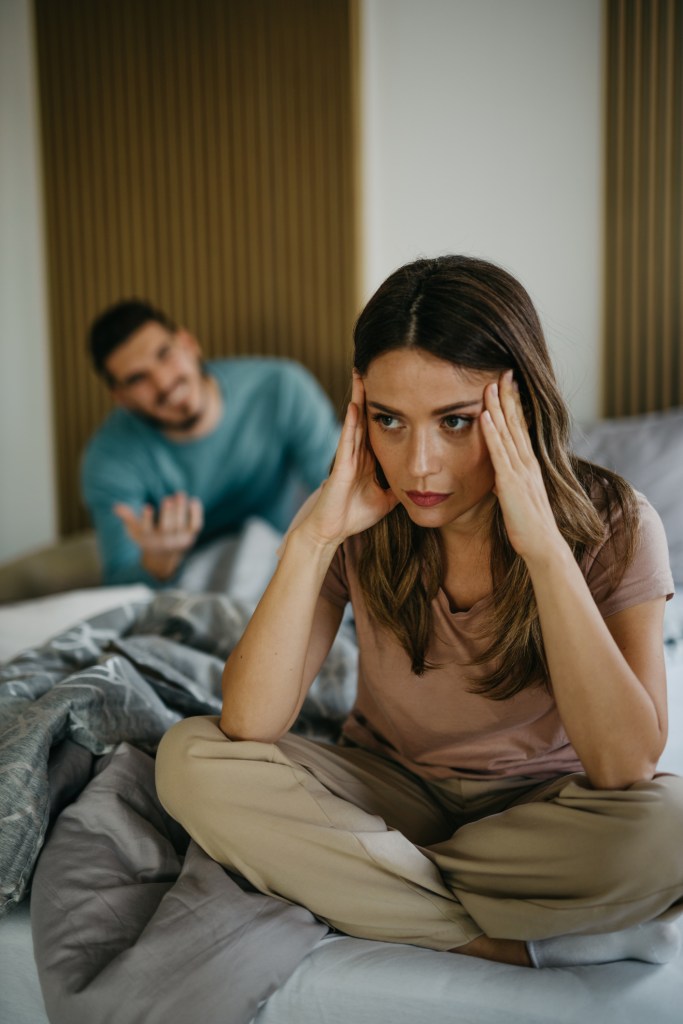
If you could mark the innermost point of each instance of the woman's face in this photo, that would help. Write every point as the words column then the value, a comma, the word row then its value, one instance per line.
column 423, row 424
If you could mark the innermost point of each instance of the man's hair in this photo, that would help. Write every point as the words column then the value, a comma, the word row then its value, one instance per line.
column 116, row 325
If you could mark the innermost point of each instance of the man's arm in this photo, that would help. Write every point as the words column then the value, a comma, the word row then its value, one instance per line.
column 136, row 544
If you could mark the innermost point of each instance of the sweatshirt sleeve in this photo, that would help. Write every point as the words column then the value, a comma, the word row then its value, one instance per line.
column 107, row 478
column 309, row 423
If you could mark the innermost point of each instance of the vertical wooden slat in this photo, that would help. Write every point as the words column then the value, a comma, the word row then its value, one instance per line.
column 644, row 228
column 615, row 190
column 198, row 153
column 668, row 49
column 653, row 241
column 634, row 156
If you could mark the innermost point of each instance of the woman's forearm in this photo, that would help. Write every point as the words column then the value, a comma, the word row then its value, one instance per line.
column 611, row 719
column 609, row 682
column 267, row 675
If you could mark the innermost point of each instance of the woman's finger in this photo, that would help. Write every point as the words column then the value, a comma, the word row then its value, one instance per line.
column 494, row 442
column 500, row 403
column 357, row 387
column 347, row 438
column 502, row 442
column 358, row 392
column 511, row 405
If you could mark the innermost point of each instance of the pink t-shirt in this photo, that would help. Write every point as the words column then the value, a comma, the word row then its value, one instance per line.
column 433, row 724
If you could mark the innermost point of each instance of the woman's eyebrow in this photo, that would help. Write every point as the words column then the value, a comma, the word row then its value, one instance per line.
column 455, row 407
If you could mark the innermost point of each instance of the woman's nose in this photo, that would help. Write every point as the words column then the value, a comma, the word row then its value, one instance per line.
column 424, row 457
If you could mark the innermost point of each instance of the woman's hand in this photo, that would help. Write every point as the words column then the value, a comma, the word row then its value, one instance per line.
column 351, row 500
column 607, row 676
column 269, row 672
column 519, row 485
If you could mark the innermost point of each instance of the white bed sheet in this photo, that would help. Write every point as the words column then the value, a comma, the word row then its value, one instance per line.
column 30, row 623
column 352, row 980
column 672, row 758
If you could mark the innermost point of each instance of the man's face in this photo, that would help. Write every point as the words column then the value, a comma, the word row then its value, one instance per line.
column 157, row 374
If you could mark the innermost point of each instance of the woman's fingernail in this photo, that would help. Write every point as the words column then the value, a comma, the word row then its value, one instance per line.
column 494, row 389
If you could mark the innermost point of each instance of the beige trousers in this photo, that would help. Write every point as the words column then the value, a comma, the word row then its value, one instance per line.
column 378, row 853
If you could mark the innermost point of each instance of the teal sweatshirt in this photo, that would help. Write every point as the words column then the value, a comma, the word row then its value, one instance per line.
column 274, row 444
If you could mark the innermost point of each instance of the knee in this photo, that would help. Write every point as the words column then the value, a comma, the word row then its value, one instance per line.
column 179, row 759
column 198, row 767
column 664, row 808
column 658, row 827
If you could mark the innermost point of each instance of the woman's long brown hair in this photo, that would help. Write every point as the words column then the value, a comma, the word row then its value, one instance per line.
column 477, row 316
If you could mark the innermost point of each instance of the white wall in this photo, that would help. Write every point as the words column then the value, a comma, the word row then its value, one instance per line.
column 483, row 134
column 27, row 492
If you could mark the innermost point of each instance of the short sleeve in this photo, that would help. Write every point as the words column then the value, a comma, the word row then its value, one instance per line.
column 646, row 577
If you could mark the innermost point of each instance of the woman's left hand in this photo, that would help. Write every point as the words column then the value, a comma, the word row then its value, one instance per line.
column 519, row 485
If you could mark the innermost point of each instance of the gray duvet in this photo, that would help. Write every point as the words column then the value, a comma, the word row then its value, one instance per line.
column 132, row 922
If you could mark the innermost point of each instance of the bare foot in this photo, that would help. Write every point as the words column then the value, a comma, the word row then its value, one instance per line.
column 503, row 951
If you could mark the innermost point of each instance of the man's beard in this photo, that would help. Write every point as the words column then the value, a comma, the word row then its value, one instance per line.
column 186, row 425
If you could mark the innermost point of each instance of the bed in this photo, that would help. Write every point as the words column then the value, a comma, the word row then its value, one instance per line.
column 90, row 678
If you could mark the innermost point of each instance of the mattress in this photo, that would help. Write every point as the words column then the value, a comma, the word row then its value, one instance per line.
column 353, row 980
column 345, row 979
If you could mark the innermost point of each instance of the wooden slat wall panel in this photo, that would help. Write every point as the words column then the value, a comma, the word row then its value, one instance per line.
column 201, row 154
column 643, row 368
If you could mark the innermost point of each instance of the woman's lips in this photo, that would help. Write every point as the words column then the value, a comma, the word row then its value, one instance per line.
column 425, row 499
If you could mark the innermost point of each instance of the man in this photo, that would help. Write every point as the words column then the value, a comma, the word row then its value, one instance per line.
column 193, row 449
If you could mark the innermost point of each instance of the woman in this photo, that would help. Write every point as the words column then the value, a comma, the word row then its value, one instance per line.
column 494, row 793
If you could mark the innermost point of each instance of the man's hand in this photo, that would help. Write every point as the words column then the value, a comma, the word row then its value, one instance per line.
column 164, row 543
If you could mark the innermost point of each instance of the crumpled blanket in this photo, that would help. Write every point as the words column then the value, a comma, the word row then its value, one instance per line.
column 125, row 676
column 134, row 925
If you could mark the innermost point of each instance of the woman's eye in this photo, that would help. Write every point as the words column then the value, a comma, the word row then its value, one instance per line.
column 385, row 421
column 456, row 423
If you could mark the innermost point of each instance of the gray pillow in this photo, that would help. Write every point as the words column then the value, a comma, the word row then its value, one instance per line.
column 648, row 451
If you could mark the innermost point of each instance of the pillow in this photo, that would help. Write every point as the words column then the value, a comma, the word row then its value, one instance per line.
column 648, row 451
column 70, row 564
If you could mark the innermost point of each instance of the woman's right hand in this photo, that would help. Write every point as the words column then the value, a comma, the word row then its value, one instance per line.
column 351, row 500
